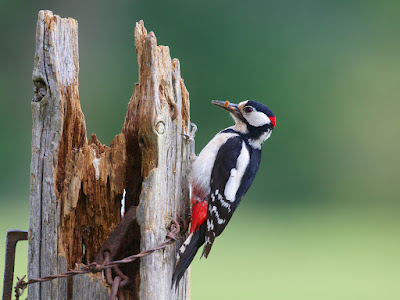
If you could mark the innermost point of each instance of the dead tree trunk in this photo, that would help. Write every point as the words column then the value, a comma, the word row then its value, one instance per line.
column 77, row 185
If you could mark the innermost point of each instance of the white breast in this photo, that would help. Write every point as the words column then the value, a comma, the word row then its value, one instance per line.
column 203, row 165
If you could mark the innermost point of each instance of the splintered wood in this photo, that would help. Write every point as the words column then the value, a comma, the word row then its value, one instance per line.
column 77, row 185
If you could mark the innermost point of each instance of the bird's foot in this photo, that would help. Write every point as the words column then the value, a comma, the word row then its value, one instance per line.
column 190, row 137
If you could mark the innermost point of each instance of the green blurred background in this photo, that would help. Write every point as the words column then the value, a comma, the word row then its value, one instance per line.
column 321, row 220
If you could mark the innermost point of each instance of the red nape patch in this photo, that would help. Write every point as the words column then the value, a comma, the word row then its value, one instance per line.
column 199, row 215
column 273, row 120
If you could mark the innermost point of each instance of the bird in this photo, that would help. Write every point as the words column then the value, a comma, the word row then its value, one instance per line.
column 221, row 175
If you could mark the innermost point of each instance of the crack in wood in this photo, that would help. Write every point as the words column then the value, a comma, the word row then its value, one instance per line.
column 77, row 184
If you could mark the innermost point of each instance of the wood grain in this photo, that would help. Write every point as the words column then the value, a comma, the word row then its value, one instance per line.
column 77, row 184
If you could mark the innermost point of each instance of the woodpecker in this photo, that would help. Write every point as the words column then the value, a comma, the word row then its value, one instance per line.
column 222, row 174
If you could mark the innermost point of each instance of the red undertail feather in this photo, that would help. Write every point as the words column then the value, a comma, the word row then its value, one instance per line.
column 196, row 237
column 199, row 215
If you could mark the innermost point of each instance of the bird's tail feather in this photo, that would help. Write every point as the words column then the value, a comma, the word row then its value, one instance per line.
column 187, row 252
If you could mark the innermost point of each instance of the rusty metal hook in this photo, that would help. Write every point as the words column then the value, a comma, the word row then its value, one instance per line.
column 115, row 288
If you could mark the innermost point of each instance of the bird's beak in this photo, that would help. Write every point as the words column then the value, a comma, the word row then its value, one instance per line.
column 229, row 107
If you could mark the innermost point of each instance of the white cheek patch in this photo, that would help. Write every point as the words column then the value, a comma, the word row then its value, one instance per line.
column 257, row 119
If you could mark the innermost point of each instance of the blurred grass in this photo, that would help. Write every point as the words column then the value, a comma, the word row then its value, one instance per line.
column 14, row 217
column 267, row 253
column 307, row 254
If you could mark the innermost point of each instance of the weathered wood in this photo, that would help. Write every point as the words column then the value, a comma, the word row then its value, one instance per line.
column 55, row 76
column 162, row 98
column 77, row 185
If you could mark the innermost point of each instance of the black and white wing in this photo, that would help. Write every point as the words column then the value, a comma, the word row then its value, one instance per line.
column 232, row 174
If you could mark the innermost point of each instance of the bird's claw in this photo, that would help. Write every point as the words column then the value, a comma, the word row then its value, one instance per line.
column 190, row 137
column 194, row 130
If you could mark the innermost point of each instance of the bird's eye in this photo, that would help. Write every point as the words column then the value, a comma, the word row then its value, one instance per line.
column 248, row 109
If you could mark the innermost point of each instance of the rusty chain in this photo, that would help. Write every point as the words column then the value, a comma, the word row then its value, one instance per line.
column 119, row 281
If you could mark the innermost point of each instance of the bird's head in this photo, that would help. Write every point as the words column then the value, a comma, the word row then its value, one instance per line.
column 251, row 118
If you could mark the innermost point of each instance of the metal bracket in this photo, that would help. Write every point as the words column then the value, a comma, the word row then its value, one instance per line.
column 13, row 237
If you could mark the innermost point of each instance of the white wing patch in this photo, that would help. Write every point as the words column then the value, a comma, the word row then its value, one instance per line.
column 237, row 173
column 202, row 166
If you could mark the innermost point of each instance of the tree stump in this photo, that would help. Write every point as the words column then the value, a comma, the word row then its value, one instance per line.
column 77, row 184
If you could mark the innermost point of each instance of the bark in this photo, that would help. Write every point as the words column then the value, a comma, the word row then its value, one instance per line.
column 77, row 184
